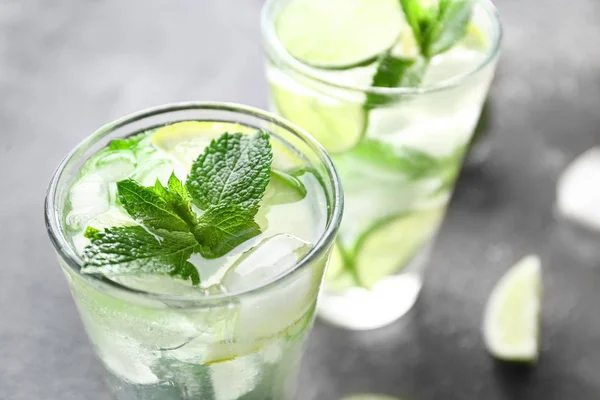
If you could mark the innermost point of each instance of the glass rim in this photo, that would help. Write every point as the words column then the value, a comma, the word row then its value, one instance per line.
column 274, row 48
column 67, row 253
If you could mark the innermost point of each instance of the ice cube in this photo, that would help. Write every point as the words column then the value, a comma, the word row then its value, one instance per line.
column 305, row 218
column 89, row 198
column 152, row 325
column 115, row 216
column 452, row 63
column 271, row 258
column 116, row 165
column 233, row 379
column 271, row 310
column 216, row 340
column 122, row 355
column 578, row 192
column 160, row 168
column 425, row 126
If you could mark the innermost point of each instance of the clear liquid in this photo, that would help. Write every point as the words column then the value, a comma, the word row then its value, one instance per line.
column 239, row 347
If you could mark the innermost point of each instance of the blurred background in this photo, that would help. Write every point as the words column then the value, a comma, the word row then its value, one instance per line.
column 67, row 67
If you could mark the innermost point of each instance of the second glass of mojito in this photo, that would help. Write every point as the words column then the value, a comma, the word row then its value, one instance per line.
column 393, row 90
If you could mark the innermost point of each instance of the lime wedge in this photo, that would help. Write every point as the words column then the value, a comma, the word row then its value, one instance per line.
column 337, row 124
column 283, row 189
column 338, row 34
column 511, row 321
column 389, row 245
column 284, row 159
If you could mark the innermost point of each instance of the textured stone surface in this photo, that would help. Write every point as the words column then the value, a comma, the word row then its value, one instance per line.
column 68, row 66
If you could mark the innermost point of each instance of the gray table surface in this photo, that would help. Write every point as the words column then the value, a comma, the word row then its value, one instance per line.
column 66, row 67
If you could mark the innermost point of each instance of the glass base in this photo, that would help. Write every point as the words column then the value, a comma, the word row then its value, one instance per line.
column 362, row 309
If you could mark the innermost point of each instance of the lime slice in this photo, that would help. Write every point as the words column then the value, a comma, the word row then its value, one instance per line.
column 186, row 140
column 511, row 321
column 337, row 124
column 338, row 33
column 388, row 246
column 284, row 159
column 282, row 189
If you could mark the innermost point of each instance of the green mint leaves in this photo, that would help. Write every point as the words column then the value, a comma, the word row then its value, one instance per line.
column 395, row 72
column 234, row 170
column 129, row 143
column 448, row 27
column 227, row 182
column 435, row 29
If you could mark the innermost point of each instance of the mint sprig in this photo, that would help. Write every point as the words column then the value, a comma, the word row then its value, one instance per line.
column 435, row 29
column 449, row 26
column 227, row 181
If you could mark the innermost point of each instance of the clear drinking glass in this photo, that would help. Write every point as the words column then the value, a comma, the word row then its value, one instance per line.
column 398, row 152
column 241, row 345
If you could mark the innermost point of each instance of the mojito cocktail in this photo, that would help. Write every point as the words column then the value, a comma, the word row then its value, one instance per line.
column 194, row 238
column 393, row 90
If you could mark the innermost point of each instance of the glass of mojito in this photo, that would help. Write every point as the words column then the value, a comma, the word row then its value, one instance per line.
column 194, row 239
column 393, row 90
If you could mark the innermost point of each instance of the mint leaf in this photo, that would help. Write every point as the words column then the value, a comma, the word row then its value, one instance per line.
column 395, row 72
column 228, row 181
column 410, row 161
column 150, row 206
column 234, row 170
column 414, row 14
column 133, row 250
column 176, row 186
column 436, row 30
column 223, row 227
column 449, row 27
column 177, row 199
column 129, row 143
